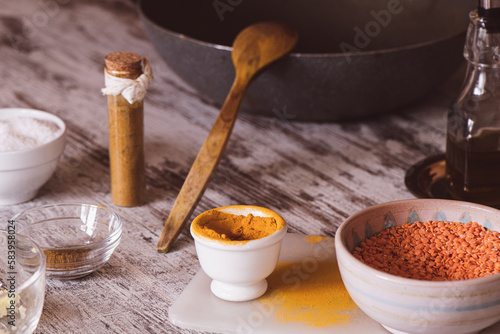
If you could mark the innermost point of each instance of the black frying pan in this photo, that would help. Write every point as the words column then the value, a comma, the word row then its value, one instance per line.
column 355, row 58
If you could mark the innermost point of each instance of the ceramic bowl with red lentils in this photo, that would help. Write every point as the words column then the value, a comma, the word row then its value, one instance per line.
column 423, row 265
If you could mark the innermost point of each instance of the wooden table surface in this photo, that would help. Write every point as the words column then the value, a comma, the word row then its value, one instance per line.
column 314, row 174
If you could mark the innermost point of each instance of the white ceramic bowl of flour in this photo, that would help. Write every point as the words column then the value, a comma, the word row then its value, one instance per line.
column 31, row 143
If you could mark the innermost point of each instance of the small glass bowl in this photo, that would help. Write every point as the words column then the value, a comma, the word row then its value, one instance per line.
column 22, row 287
column 77, row 239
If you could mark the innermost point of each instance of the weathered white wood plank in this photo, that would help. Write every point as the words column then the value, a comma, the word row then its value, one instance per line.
column 315, row 175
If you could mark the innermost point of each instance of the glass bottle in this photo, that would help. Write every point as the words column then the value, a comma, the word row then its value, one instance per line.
column 473, row 134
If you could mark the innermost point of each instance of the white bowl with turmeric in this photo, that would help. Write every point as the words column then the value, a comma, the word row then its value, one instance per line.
column 238, row 246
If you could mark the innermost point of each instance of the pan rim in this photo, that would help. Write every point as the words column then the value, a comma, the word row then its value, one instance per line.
column 361, row 53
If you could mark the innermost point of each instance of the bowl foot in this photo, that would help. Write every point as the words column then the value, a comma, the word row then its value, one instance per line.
column 395, row 331
column 238, row 292
column 12, row 199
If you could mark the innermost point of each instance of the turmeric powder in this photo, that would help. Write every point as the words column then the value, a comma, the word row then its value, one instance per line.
column 309, row 289
column 227, row 227
column 317, row 298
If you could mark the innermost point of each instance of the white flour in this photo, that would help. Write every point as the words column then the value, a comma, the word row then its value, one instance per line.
column 22, row 133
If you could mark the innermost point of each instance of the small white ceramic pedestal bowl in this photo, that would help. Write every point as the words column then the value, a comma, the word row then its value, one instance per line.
column 239, row 269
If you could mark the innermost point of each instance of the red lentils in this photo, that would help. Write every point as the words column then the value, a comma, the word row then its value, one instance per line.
column 436, row 251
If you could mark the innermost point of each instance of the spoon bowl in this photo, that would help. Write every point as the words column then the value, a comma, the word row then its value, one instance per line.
column 261, row 44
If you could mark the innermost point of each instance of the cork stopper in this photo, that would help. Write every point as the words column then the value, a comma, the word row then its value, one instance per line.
column 124, row 64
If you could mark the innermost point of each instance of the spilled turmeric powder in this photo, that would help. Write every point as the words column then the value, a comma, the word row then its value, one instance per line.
column 310, row 290
column 218, row 225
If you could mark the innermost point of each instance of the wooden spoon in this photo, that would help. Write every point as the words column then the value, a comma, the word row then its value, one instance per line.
column 254, row 48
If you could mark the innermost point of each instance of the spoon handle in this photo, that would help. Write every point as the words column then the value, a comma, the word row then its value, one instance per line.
column 203, row 167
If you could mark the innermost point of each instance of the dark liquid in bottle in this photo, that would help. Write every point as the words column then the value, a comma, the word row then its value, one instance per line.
column 473, row 168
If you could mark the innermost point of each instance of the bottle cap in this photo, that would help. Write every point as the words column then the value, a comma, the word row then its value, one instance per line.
column 489, row 11
column 489, row 4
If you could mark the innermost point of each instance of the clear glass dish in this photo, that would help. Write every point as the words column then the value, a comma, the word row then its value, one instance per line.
column 22, row 282
column 77, row 239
